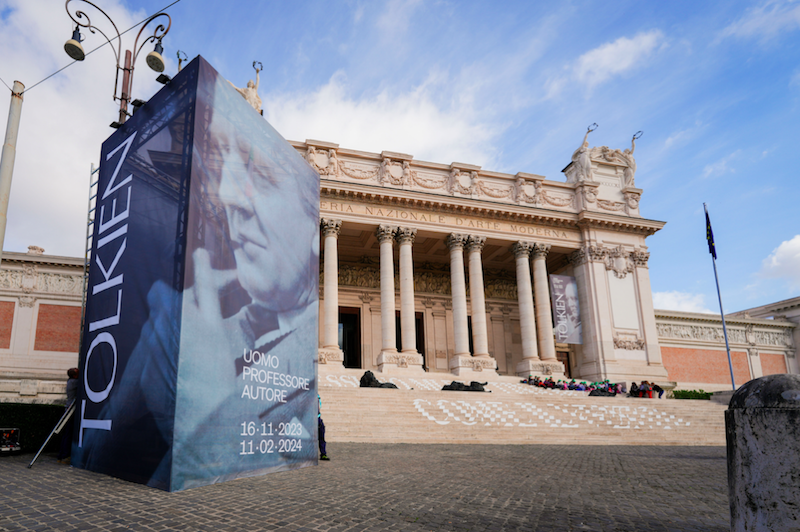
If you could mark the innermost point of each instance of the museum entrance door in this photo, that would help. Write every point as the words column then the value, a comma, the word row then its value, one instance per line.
column 350, row 336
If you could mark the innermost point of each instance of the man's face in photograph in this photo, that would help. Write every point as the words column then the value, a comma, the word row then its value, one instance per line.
column 271, row 232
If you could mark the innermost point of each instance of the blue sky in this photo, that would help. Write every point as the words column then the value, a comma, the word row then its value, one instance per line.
column 715, row 86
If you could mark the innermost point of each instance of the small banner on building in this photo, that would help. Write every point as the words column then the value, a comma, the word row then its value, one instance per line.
column 566, row 310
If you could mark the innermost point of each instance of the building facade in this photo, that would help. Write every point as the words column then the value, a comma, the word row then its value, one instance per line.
column 447, row 269
column 461, row 259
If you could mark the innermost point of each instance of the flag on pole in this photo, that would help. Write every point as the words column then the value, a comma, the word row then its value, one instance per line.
column 710, row 237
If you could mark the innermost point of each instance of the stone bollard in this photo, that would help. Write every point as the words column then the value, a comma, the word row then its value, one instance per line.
column 762, row 428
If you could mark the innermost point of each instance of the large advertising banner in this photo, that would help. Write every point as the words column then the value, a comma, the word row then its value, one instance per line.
column 200, row 337
column 566, row 310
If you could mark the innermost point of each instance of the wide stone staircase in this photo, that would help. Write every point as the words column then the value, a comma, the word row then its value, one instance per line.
column 512, row 413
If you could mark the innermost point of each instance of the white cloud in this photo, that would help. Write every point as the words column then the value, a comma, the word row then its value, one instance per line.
column 680, row 301
column 413, row 122
column 784, row 262
column 395, row 19
column 720, row 167
column 765, row 22
column 63, row 122
column 613, row 58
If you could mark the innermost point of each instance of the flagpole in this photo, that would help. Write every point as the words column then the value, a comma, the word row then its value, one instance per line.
column 710, row 237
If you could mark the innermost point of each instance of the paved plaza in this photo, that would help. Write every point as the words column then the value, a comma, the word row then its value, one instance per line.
column 398, row 487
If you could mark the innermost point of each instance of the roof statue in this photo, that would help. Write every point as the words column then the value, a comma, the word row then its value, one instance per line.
column 250, row 93
column 581, row 168
column 582, row 158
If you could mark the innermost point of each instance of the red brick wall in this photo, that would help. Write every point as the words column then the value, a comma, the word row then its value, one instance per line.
column 58, row 328
column 772, row 364
column 6, row 321
column 704, row 365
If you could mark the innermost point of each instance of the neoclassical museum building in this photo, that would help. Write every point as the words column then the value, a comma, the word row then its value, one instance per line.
column 456, row 271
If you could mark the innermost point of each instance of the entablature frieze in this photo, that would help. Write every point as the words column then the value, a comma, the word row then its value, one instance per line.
column 695, row 330
column 449, row 219
column 398, row 172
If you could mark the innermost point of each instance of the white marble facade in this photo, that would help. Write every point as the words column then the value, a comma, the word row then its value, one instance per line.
column 478, row 236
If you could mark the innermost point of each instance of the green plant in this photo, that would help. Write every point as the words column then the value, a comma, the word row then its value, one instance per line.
column 691, row 394
column 34, row 423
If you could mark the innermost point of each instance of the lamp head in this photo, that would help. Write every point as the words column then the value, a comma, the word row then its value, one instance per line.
column 73, row 46
column 154, row 59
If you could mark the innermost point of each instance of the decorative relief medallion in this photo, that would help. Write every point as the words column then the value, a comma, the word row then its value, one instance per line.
column 462, row 183
column 610, row 205
column 29, row 274
column 27, row 301
column 619, row 261
column 629, row 343
column 528, row 191
column 590, row 192
column 632, row 199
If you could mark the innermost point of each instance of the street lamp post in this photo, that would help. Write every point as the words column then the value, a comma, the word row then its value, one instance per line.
column 154, row 59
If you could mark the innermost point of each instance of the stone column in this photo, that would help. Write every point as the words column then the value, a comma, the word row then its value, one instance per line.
column 478, row 303
column 544, row 320
column 408, row 333
column 385, row 234
column 455, row 243
column 462, row 363
column 527, row 321
column 330, row 331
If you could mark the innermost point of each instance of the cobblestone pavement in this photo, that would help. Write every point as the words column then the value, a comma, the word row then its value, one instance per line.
column 397, row 487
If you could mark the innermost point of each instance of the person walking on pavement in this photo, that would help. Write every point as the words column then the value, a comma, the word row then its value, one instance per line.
column 323, row 455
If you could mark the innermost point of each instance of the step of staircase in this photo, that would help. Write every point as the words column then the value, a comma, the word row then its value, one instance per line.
column 510, row 413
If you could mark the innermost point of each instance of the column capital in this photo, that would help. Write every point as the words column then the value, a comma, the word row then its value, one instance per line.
column 577, row 257
column 522, row 249
column 540, row 251
column 640, row 258
column 330, row 227
column 456, row 241
column 406, row 235
column 476, row 243
column 385, row 233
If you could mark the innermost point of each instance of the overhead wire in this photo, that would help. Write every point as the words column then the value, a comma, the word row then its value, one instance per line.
column 97, row 48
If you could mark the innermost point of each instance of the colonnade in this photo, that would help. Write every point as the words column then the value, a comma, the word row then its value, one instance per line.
column 534, row 300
